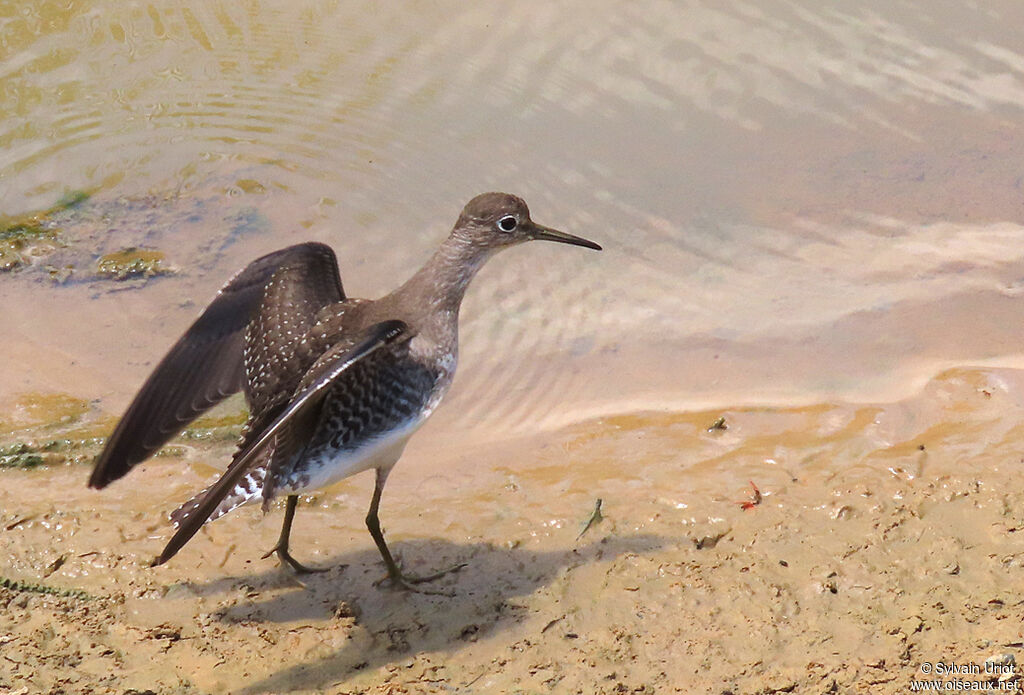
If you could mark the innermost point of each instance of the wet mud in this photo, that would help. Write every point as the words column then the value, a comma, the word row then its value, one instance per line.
column 880, row 536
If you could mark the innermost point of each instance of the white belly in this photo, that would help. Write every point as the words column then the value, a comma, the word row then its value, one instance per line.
column 330, row 466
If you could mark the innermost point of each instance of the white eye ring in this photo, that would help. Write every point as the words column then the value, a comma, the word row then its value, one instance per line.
column 508, row 223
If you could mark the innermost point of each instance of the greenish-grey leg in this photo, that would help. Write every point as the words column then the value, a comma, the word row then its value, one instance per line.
column 394, row 573
column 282, row 542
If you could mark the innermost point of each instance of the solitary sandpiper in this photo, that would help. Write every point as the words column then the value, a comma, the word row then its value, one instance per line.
column 335, row 386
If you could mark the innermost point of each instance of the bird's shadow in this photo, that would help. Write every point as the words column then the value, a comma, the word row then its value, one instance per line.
column 381, row 625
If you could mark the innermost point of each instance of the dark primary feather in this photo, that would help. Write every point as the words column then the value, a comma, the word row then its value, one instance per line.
column 206, row 365
column 304, row 404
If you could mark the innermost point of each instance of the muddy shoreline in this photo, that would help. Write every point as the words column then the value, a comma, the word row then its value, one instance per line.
column 886, row 536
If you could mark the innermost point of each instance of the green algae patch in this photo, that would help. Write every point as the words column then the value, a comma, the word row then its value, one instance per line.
column 52, row 452
column 39, row 410
column 235, row 420
column 25, row 232
column 20, row 455
column 210, row 434
column 49, row 430
column 172, row 452
column 251, row 186
column 22, row 241
column 218, row 427
column 132, row 263
column 69, row 200
column 36, row 588
column 34, row 235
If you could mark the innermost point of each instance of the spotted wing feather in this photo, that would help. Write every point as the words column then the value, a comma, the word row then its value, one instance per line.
column 305, row 404
column 279, row 347
column 206, row 364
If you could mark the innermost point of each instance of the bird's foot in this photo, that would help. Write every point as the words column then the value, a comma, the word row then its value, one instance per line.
column 286, row 558
column 398, row 580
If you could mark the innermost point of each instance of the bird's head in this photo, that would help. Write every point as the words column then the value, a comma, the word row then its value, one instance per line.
column 494, row 221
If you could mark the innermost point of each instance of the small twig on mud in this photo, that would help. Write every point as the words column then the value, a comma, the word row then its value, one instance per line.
column 55, row 565
column 551, row 624
column 478, row 677
column 227, row 554
column 18, row 522
column 594, row 520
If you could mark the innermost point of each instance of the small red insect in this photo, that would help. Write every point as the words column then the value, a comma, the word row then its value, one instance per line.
column 754, row 500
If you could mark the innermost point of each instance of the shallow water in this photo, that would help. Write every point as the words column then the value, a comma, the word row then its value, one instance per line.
column 797, row 202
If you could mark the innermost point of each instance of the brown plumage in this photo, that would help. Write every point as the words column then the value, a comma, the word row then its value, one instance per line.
column 334, row 386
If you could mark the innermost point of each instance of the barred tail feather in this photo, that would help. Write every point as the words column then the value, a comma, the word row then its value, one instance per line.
column 249, row 488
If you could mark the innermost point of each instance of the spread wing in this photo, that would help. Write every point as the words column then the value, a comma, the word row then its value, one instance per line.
column 206, row 365
column 302, row 407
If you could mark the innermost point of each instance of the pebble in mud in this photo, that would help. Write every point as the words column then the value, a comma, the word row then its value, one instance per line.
column 345, row 610
column 1004, row 666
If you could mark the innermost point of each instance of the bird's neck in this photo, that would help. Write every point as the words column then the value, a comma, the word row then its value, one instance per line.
column 439, row 286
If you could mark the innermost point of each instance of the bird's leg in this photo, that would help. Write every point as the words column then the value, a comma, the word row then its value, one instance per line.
column 395, row 575
column 282, row 542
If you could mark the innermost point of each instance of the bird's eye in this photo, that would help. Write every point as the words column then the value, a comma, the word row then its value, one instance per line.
column 508, row 223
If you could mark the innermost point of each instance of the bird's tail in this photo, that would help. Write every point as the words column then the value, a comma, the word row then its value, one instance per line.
column 248, row 489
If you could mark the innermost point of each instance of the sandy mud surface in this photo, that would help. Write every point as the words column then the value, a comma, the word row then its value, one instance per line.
column 884, row 536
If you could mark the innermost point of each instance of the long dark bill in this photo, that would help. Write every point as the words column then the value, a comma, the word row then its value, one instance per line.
column 548, row 234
